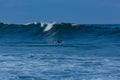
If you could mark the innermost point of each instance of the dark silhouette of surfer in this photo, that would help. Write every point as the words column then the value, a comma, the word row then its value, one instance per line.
column 59, row 41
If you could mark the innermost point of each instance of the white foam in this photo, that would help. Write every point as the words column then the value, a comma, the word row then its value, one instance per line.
column 74, row 24
column 35, row 23
column 42, row 24
column 30, row 23
column 27, row 23
column 49, row 26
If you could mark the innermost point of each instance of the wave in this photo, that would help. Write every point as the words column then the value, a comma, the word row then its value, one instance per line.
column 40, row 31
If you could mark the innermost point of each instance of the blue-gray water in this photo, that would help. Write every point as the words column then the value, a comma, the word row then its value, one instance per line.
column 31, row 52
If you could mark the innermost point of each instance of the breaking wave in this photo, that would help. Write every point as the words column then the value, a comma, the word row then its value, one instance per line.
column 54, row 31
column 100, row 39
column 50, row 33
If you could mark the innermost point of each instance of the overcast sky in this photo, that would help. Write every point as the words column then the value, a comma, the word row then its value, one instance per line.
column 75, row 11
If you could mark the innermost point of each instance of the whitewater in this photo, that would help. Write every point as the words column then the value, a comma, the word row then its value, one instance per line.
column 87, row 51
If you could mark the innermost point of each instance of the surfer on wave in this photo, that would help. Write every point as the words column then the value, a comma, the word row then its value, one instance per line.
column 59, row 41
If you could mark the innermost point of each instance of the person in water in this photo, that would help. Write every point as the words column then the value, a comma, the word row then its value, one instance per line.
column 59, row 41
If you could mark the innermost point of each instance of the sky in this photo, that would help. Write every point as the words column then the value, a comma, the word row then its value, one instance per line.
column 74, row 11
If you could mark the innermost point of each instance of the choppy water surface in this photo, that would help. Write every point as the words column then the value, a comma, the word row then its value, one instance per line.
column 46, row 67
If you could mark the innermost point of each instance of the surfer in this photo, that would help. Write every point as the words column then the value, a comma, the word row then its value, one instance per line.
column 59, row 41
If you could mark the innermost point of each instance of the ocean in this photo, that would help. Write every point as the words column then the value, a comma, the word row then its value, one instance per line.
column 59, row 51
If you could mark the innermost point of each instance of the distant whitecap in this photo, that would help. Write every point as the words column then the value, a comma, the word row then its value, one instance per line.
column 42, row 24
column 74, row 24
column 35, row 23
column 30, row 23
column 27, row 23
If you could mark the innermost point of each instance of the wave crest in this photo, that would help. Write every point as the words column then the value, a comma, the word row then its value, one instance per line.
column 49, row 31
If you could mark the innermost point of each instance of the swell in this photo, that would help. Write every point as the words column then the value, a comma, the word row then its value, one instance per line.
column 54, row 31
